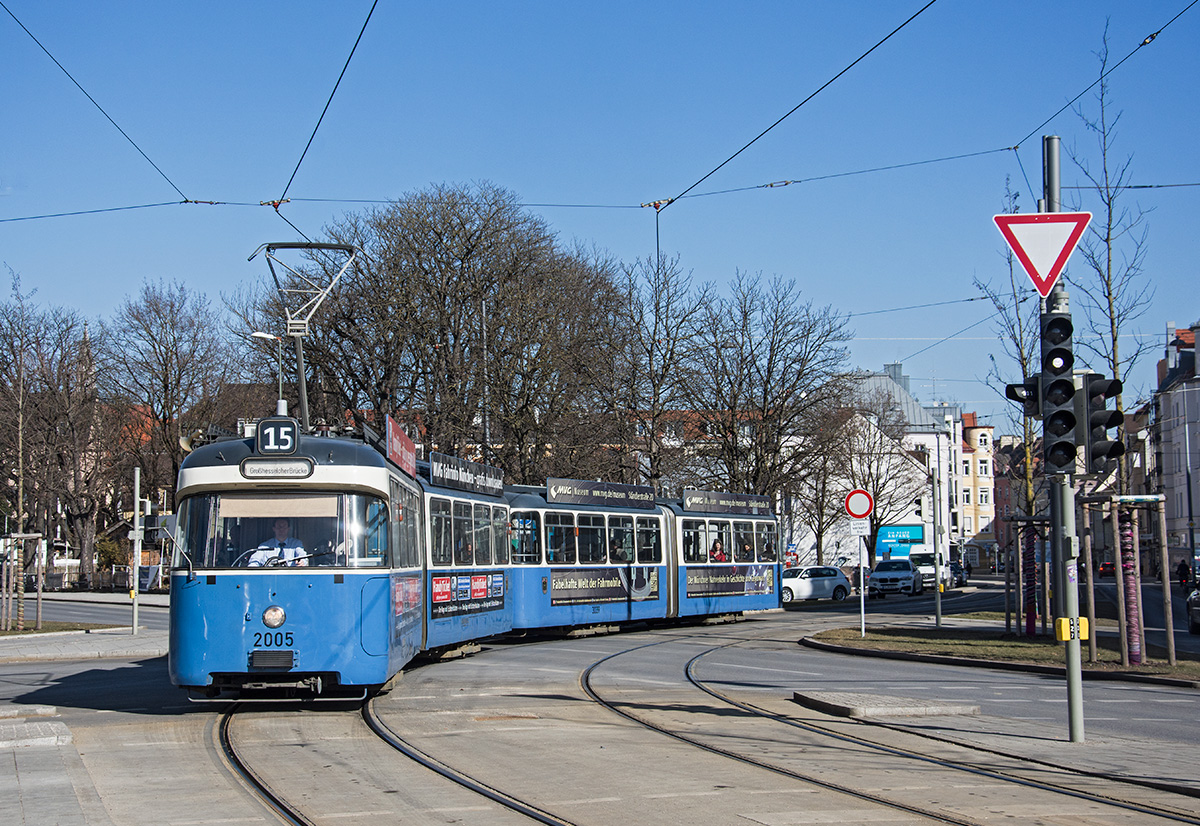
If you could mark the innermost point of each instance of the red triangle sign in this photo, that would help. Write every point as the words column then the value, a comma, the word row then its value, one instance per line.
column 1042, row 242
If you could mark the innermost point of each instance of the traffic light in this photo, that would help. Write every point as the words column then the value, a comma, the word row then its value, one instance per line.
column 1029, row 394
column 1058, row 394
column 1095, row 420
column 917, row 506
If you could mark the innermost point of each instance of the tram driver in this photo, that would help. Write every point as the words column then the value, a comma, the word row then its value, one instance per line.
column 281, row 549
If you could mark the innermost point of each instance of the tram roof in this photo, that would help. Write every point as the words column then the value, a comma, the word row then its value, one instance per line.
column 321, row 450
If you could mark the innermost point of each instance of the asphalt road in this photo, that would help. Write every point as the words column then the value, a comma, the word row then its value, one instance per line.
column 149, row 616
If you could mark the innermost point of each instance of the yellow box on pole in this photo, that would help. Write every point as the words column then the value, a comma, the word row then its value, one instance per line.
column 1071, row 628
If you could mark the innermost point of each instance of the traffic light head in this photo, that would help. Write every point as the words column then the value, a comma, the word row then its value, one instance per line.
column 1029, row 394
column 1095, row 420
column 1059, row 417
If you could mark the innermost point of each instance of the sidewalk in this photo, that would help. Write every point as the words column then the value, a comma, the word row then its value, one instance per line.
column 86, row 645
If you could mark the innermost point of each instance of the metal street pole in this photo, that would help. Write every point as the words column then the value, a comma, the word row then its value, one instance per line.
column 1069, row 601
column 137, row 545
column 937, row 565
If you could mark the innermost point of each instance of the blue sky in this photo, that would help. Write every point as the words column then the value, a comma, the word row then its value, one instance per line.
column 588, row 110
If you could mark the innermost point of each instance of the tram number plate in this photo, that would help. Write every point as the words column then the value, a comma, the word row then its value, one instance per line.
column 273, row 639
column 277, row 436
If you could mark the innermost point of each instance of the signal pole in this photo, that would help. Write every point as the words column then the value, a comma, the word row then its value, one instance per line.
column 1064, row 541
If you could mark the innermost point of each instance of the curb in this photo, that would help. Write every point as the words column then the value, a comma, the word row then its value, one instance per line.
column 942, row 659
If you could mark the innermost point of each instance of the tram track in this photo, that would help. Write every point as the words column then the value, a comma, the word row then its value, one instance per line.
column 466, row 781
column 1176, row 815
column 746, row 731
column 250, row 781
column 254, row 780
column 1168, row 813
column 589, row 689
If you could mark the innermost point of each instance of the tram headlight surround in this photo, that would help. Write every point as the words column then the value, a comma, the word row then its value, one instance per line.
column 273, row 616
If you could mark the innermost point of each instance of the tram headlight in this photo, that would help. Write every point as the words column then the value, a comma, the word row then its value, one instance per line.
column 274, row 616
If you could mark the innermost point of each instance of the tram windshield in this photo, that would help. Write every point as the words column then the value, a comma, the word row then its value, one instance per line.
column 236, row 530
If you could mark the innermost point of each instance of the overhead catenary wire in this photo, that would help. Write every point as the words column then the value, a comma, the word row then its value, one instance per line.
column 658, row 204
column 327, row 104
column 79, row 86
column 822, row 88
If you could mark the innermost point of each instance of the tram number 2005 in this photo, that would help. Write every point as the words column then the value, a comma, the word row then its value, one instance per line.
column 267, row 639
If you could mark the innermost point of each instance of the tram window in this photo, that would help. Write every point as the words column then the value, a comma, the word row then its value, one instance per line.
column 743, row 542
column 718, row 531
column 590, row 538
column 440, row 542
column 406, row 554
column 464, row 554
column 620, row 539
column 366, row 544
column 500, row 535
column 483, row 535
column 526, row 538
column 286, row 530
column 412, row 529
column 560, row 538
column 649, row 541
column 695, row 541
column 766, row 542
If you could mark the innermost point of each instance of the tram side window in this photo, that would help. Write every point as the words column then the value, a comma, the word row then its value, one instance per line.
column 743, row 542
column 526, row 538
column 440, row 522
column 766, row 542
column 620, row 539
column 721, row 541
column 197, row 546
column 483, row 535
column 649, row 541
column 464, row 554
column 591, row 538
column 500, row 535
column 412, row 529
column 695, row 542
column 560, row 538
column 368, row 523
column 404, row 534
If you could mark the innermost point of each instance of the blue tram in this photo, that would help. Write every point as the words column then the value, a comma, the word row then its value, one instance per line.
column 725, row 554
column 297, row 567
column 587, row 553
column 596, row 553
column 316, row 567
column 466, row 537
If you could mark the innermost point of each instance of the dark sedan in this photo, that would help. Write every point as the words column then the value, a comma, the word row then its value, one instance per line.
column 1193, row 612
column 958, row 575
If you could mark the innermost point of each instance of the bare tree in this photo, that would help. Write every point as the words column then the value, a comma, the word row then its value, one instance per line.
column 655, row 337
column 165, row 356
column 1116, row 291
column 465, row 318
column 59, row 449
column 76, row 427
column 879, row 462
column 762, row 360
column 818, row 493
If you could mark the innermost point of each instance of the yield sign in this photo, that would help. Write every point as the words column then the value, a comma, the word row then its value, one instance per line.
column 1042, row 242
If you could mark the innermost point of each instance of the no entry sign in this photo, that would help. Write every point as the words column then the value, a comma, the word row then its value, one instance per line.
column 859, row 503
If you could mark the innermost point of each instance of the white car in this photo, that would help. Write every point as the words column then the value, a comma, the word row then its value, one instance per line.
column 894, row 576
column 814, row 582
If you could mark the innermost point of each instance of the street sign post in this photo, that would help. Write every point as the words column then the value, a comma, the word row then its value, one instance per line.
column 1042, row 242
column 859, row 504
